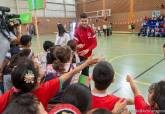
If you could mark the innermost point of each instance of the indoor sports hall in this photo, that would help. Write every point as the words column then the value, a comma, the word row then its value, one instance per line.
column 82, row 56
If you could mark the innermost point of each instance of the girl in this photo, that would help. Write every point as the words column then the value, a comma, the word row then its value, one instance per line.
column 63, row 64
column 72, row 45
column 62, row 37
column 25, row 104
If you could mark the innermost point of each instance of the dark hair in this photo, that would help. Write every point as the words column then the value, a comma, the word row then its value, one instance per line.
column 83, row 15
column 72, row 44
column 159, row 95
column 15, row 59
column 14, row 48
column 103, row 75
column 18, row 74
column 101, row 111
column 151, row 88
column 47, row 45
column 13, row 43
column 164, row 45
column 79, row 96
column 25, row 39
column 63, row 55
column 50, row 57
column 61, row 29
column 23, row 104
column 25, row 53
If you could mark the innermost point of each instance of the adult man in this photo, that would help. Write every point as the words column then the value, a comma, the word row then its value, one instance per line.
column 85, row 38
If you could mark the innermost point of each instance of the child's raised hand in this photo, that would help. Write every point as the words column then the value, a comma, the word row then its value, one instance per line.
column 91, row 61
column 126, row 111
column 119, row 106
column 129, row 78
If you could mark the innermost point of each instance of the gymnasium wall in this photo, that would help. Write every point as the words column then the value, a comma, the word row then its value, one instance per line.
column 56, row 11
column 48, row 25
column 122, row 12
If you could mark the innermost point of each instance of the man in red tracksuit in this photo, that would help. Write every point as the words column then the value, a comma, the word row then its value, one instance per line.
column 85, row 38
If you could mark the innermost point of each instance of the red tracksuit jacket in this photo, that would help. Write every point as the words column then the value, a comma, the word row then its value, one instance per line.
column 86, row 36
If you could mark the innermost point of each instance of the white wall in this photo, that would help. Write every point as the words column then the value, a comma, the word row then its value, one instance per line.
column 9, row 3
column 54, row 8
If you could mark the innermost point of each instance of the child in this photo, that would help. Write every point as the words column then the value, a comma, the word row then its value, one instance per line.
column 72, row 45
column 105, row 30
column 63, row 64
column 47, row 45
column 103, row 76
column 76, row 94
column 25, row 77
column 25, row 41
column 99, row 31
column 24, row 104
column 51, row 56
column 43, row 57
column 156, row 98
column 62, row 36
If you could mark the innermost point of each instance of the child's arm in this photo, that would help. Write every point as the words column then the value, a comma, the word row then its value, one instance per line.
column 140, row 104
column 119, row 106
column 90, row 61
column 133, row 85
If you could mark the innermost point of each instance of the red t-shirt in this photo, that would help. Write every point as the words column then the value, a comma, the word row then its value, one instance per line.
column 44, row 93
column 86, row 36
column 107, row 102
column 4, row 100
column 141, row 106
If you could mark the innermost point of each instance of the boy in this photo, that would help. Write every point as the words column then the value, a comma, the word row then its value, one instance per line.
column 103, row 76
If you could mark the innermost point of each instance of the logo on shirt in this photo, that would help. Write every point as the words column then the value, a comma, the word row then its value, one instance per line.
column 89, row 35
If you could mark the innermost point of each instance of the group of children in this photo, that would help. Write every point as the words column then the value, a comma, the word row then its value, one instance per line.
column 107, row 30
column 31, row 89
column 153, row 27
column 52, row 84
